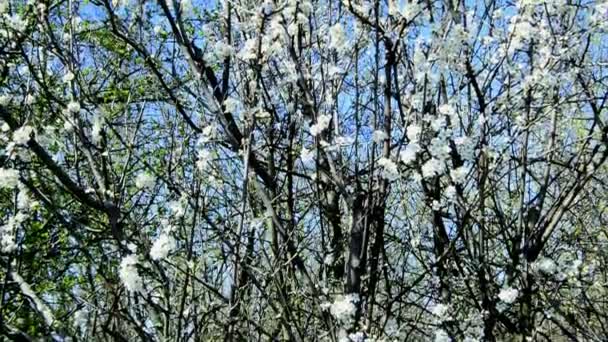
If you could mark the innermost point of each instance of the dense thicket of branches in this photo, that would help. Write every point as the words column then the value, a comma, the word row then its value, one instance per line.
column 303, row 170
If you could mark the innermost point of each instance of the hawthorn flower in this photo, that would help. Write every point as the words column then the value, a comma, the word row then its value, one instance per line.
column 508, row 295
column 459, row 174
column 337, row 37
column 96, row 130
column 379, row 136
column 230, row 105
column 162, row 247
column 441, row 311
column 322, row 124
column 7, row 233
column 223, row 50
column 249, row 50
column 344, row 141
column 413, row 133
column 22, row 135
column 144, row 181
column 438, row 123
column 68, row 77
column 343, row 308
column 450, row 192
column 545, row 265
column 73, row 107
column 129, row 275
column 389, row 168
column 408, row 155
column 441, row 336
column 433, row 167
column 446, row 109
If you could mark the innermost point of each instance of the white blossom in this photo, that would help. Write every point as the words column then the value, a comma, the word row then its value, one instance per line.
column 73, row 107
column 322, row 124
column 144, row 181
column 390, row 170
column 545, row 265
column 9, row 178
column 413, row 133
column 230, row 105
column 129, row 275
column 459, row 174
column 438, row 123
column 337, row 37
column 508, row 295
column 379, row 136
column 344, row 141
column 96, row 130
column 68, row 77
column 249, row 50
column 408, row 155
column 441, row 336
column 162, row 247
column 450, row 192
column 343, row 307
column 223, row 50
column 22, row 135
column 446, row 109
column 440, row 310
column 433, row 167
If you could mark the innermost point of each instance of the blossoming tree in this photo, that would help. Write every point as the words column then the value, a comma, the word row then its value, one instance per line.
column 340, row 170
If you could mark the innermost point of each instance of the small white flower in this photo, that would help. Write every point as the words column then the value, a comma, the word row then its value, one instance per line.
column 9, row 178
column 413, row 133
column 408, row 155
column 343, row 308
column 223, row 50
column 322, row 124
column 390, row 170
column 129, row 275
column 446, row 109
column 22, row 135
column 73, row 107
column 162, row 247
column 379, row 136
column 68, row 77
column 337, row 37
column 96, row 130
column 441, row 336
column 433, row 167
column 144, row 181
column 438, row 123
column 545, row 265
column 230, row 105
column 344, row 141
column 459, row 174
column 29, row 99
column 440, row 310
column 450, row 192
column 249, row 50
column 508, row 295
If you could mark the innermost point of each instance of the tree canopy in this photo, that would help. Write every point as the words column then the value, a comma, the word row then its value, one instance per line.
column 304, row 170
